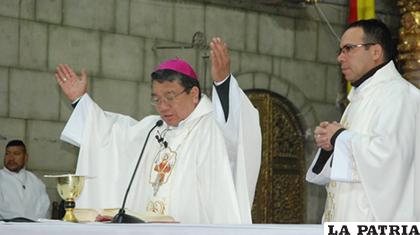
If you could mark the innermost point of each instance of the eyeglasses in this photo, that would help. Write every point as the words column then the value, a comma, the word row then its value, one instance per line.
column 348, row 47
column 168, row 98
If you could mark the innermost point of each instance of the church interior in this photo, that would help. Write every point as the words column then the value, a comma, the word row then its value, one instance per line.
column 283, row 54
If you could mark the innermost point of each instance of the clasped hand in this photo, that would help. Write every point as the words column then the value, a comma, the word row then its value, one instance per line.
column 323, row 134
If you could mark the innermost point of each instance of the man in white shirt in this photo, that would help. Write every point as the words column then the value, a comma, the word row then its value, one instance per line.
column 22, row 194
column 370, row 160
column 187, row 170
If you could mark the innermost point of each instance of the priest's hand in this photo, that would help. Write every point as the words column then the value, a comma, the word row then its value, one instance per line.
column 72, row 85
column 321, row 139
column 324, row 134
column 220, row 61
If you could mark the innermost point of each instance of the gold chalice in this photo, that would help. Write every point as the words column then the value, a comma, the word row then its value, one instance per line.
column 69, row 188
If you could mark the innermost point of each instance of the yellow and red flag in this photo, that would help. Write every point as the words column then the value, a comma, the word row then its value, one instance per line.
column 360, row 10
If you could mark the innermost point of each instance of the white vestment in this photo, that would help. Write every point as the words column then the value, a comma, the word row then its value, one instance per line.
column 196, row 181
column 372, row 176
column 243, row 139
column 22, row 194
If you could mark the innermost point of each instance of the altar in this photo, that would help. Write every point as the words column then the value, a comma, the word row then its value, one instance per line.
column 64, row 228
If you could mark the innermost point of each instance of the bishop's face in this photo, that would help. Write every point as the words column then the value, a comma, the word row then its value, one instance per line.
column 173, row 102
column 15, row 158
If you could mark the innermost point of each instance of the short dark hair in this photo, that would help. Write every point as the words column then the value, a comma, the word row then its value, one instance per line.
column 167, row 75
column 16, row 143
column 377, row 32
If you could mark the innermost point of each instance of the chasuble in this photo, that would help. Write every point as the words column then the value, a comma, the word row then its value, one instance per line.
column 189, row 179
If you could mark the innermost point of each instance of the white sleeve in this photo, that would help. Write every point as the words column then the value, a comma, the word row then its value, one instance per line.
column 343, row 164
column 44, row 210
column 3, row 211
column 73, row 131
column 417, row 168
column 86, row 107
column 340, row 165
column 242, row 135
column 324, row 176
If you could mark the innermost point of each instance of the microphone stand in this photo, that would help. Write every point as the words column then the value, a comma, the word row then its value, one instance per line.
column 121, row 217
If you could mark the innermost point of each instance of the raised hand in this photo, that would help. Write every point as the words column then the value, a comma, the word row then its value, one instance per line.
column 72, row 85
column 220, row 61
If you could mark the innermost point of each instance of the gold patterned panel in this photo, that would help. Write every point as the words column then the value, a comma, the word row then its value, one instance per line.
column 409, row 46
column 280, row 190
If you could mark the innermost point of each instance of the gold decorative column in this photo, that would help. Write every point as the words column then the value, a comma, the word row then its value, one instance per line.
column 409, row 46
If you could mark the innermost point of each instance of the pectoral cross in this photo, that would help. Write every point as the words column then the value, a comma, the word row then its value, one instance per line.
column 162, row 169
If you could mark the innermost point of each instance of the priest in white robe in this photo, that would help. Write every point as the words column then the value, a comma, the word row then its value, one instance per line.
column 369, row 162
column 22, row 194
column 185, row 171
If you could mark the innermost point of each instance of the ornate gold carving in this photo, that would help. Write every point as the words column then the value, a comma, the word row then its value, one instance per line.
column 280, row 189
column 409, row 46
column 408, row 5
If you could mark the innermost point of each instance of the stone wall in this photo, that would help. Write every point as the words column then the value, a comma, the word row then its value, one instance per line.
column 290, row 52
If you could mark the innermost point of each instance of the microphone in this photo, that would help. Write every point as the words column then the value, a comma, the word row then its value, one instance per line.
column 122, row 217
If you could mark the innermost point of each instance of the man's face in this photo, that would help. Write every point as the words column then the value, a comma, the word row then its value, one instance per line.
column 15, row 158
column 356, row 61
column 173, row 103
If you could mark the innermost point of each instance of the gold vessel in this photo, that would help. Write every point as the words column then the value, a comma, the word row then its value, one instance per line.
column 69, row 188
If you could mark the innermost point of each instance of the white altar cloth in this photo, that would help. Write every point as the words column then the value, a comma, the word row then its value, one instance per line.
column 62, row 228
